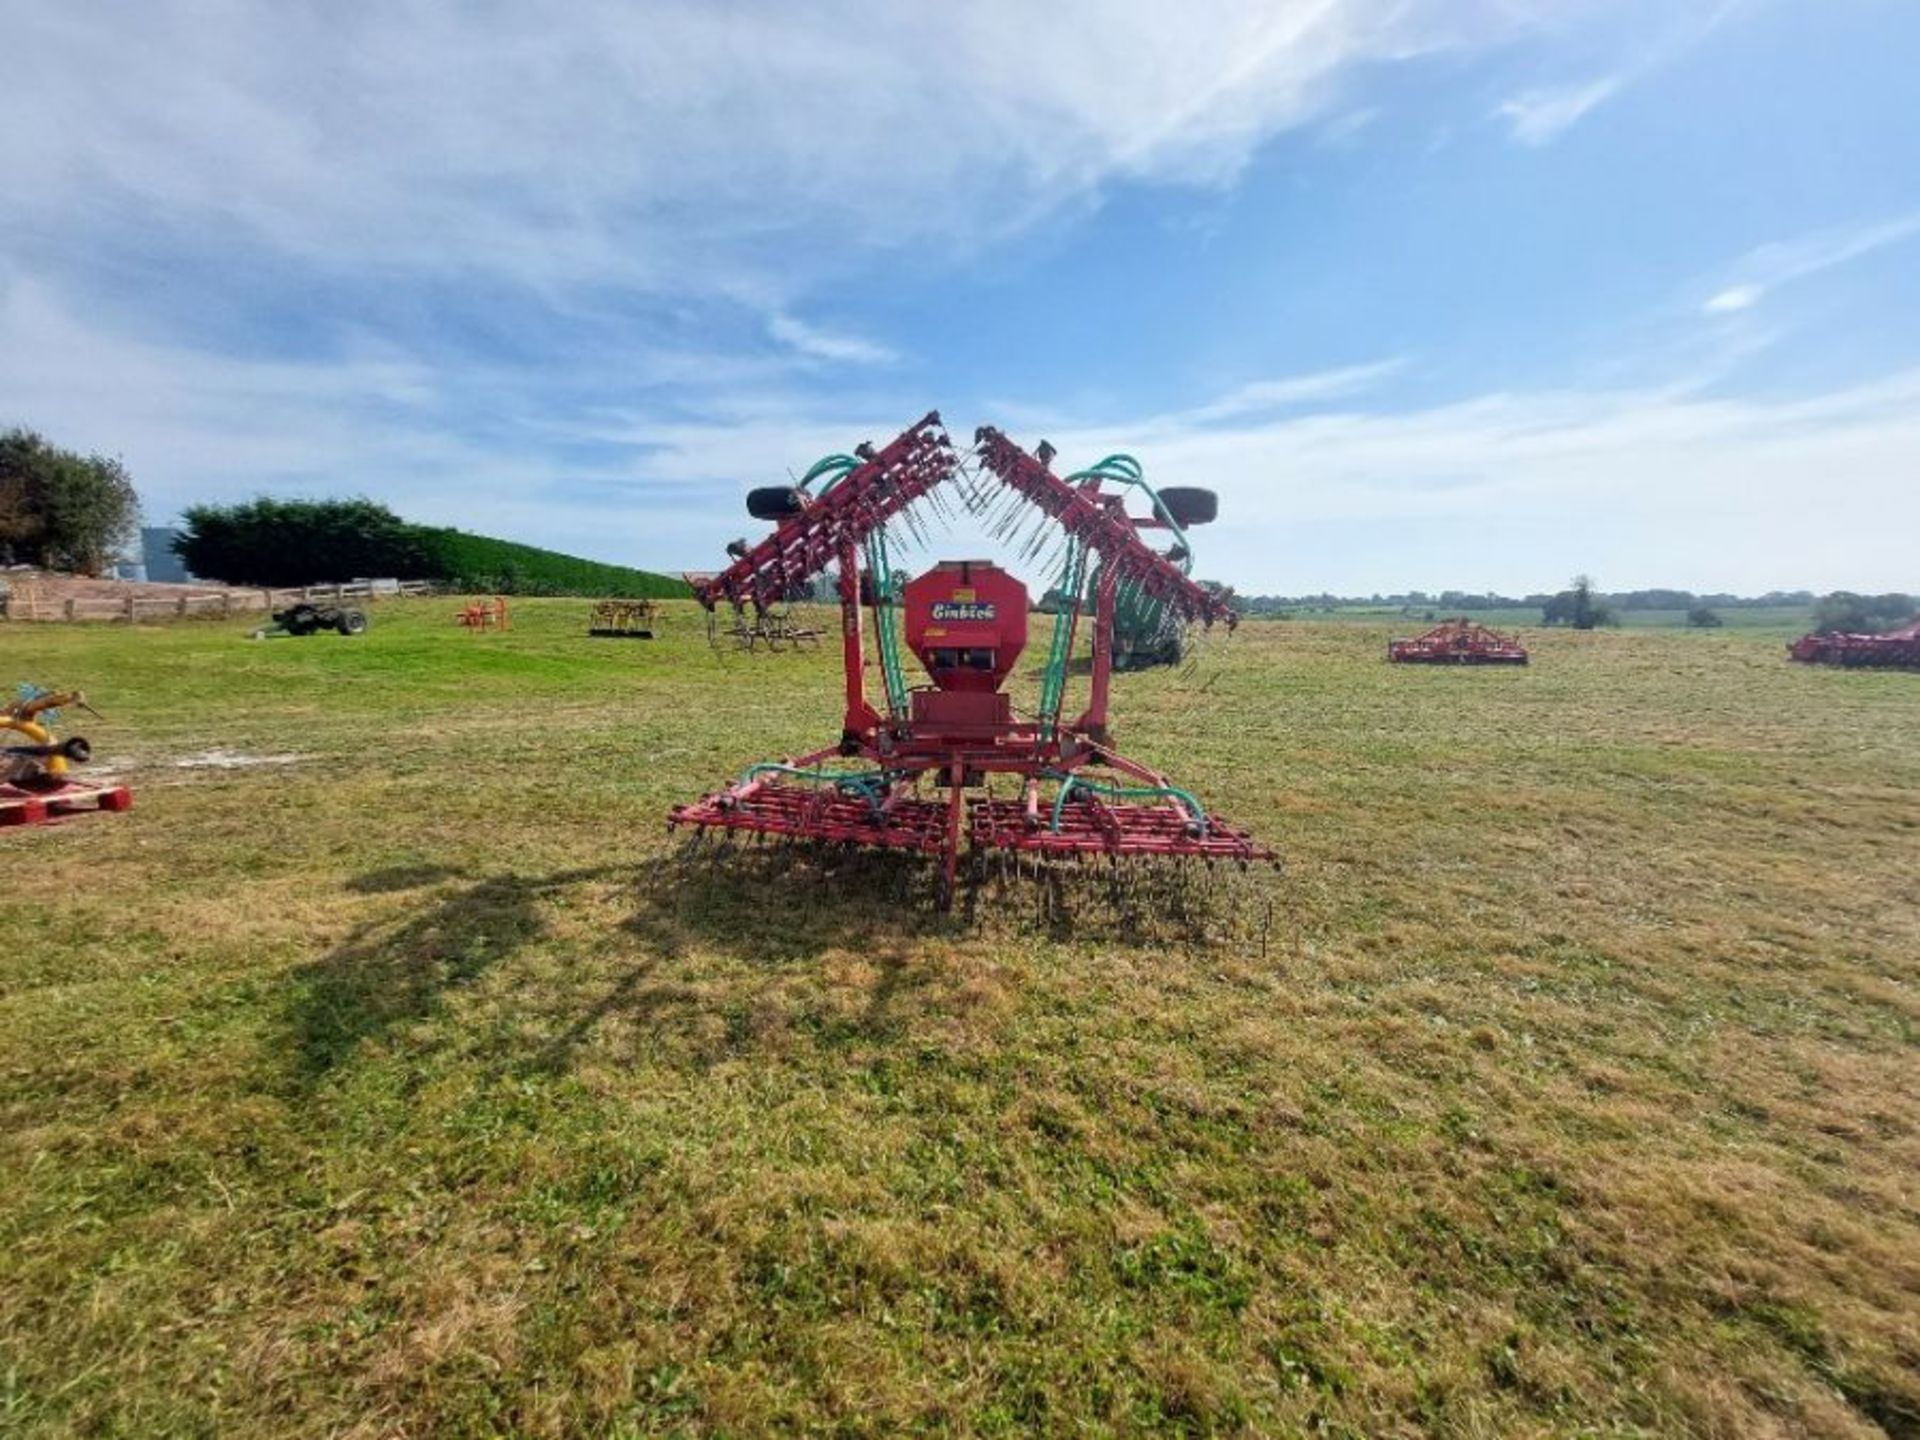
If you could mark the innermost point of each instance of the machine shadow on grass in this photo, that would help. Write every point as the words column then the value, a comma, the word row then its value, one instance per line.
column 777, row 910
column 386, row 974
column 399, row 877
column 390, row 973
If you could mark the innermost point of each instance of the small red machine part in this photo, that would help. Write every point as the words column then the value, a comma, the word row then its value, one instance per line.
column 485, row 615
column 1895, row 650
column 1458, row 642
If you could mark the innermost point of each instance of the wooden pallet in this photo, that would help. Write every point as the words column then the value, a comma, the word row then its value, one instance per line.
column 41, row 807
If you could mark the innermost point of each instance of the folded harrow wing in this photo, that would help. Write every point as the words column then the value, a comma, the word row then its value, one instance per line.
column 1458, row 642
column 915, row 768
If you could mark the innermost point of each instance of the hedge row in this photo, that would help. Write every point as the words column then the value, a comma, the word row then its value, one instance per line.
column 273, row 542
column 481, row 563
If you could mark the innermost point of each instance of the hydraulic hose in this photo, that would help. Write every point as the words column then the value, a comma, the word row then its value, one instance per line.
column 1196, row 812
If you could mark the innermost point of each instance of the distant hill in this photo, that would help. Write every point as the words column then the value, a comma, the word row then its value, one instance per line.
column 479, row 562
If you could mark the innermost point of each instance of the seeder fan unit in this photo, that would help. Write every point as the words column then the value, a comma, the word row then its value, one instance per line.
column 1070, row 793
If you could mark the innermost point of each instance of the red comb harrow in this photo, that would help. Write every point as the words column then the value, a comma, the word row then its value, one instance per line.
column 1067, row 792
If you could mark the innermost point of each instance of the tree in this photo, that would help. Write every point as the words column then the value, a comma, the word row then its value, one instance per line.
column 22, row 524
column 62, row 510
column 1852, row 614
column 299, row 542
column 1579, row 607
column 1701, row 617
column 1842, row 611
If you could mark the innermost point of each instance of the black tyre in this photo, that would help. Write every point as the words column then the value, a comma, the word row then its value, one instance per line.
column 774, row 502
column 300, row 620
column 351, row 622
column 1190, row 505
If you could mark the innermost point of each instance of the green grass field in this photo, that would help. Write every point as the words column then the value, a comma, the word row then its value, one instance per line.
column 415, row 1085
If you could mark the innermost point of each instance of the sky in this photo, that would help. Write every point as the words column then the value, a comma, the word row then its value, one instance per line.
column 1437, row 294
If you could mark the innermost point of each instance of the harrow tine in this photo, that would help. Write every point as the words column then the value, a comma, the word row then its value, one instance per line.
column 999, row 517
column 1036, row 541
column 1032, row 526
column 914, row 525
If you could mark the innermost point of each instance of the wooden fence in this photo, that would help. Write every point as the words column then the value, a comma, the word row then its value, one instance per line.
column 24, row 603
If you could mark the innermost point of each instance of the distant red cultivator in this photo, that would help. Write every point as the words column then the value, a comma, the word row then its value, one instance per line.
column 1458, row 642
column 1896, row 650
column 966, row 623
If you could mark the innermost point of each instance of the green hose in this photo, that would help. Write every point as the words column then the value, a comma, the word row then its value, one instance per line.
column 1114, row 467
column 1141, row 621
column 1053, row 683
column 1128, row 471
column 869, row 785
column 886, row 625
column 838, row 466
column 1124, row 792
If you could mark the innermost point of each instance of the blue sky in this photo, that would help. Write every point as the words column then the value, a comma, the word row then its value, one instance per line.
column 1435, row 293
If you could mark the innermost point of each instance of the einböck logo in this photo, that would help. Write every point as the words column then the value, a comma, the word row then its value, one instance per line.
column 962, row 610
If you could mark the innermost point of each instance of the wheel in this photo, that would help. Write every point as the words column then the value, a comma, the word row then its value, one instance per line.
column 351, row 622
column 1190, row 505
column 775, row 502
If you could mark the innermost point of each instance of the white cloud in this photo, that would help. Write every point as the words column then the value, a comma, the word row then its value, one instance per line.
column 1766, row 269
column 1538, row 117
column 1343, row 130
column 194, row 426
column 667, row 144
column 1734, row 299
column 819, row 344
column 1519, row 491
column 738, row 155
column 1291, row 393
column 1514, row 491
